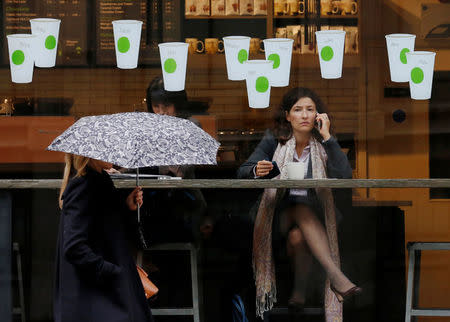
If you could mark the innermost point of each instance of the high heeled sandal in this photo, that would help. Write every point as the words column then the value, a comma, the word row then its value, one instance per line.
column 355, row 290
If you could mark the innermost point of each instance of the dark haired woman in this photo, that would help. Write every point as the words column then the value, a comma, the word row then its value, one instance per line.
column 160, row 101
column 299, row 214
column 187, row 206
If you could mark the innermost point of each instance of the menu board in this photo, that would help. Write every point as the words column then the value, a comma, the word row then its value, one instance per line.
column 161, row 21
column 73, row 36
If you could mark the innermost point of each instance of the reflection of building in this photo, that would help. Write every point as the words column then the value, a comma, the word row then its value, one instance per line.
column 435, row 22
column 403, row 149
column 386, row 133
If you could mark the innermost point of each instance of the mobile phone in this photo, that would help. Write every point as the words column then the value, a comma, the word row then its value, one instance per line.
column 274, row 172
column 318, row 124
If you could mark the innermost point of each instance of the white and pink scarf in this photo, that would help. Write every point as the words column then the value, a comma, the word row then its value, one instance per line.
column 263, row 262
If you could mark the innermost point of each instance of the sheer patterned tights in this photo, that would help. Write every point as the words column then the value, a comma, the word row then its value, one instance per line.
column 309, row 239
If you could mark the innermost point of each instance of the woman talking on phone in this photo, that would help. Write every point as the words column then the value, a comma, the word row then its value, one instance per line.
column 306, row 218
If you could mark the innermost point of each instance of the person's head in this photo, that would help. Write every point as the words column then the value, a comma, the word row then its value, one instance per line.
column 297, row 113
column 77, row 165
column 160, row 101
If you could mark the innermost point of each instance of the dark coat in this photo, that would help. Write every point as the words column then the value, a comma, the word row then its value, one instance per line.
column 337, row 166
column 337, row 163
column 96, row 277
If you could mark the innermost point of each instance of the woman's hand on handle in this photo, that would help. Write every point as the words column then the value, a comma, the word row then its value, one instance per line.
column 324, row 129
column 135, row 198
column 263, row 168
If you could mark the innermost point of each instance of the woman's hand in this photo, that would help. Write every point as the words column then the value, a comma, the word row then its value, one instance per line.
column 112, row 171
column 324, row 130
column 263, row 168
column 135, row 198
column 175, row 170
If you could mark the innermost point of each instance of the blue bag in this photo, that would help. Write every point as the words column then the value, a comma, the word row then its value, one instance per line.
column 238, row 309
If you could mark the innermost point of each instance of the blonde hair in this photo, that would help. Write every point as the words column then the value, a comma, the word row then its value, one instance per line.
column 79, row 163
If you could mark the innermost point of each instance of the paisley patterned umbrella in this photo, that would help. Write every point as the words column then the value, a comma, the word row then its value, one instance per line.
column 134, row 140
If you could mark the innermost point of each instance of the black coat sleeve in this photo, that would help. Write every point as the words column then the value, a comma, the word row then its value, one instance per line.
column 129, row 218
column 78, row 211
column 337, row 164
column 264, row 151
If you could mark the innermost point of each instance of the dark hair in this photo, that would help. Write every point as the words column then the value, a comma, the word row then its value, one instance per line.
column 156, row 94
column 282, row 128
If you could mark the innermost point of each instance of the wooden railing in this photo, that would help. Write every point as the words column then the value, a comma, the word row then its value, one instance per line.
column 241, row 184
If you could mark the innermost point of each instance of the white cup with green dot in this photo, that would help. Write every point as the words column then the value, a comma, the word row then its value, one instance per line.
column 330, row 47
column 258, row 79
column 127, row 40
column 397, row 47
column 22, row 48
column 47, row 32
column 421, row 69
column 279, row 50
column 236, row 53
column 173, row 63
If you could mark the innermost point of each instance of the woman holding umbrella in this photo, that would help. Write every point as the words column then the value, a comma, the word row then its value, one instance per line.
column 96, row 276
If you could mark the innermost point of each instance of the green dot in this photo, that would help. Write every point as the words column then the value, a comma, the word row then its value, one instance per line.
column 262, row 84
column 417, row 75
column 403, row 55
column 242, row 56
column 123, row 44
column 50, row 42
column 276, row 60
column 18, row 57
column 170, row 65
column 327, row 53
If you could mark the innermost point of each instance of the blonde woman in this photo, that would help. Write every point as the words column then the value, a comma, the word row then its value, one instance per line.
column 96, row 277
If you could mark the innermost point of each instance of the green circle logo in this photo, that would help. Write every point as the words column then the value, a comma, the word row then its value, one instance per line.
column 50, row 42
column 242, row 56
column 123, row 44
column 262, row 84
column 417, row 75
column 326, row 53
column 276, row 60
column 403, row 55
column 170, row 65
column 18, row 57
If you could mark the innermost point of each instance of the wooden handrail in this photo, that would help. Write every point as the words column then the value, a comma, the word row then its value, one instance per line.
column 241, row 184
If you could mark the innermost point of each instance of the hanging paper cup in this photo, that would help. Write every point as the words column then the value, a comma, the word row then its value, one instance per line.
column 173, row 63
column 397, row 46
column 21, row 57
column 258, row 74
column 47, row 32
column 236, row 53
column 127, row 40
column 330, row 47
column 279, row 50
column 421, row 67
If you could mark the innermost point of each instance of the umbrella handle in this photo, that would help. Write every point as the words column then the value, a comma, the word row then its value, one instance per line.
column 138, row 206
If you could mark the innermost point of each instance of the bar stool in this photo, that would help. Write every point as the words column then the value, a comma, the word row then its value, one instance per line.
column 19, row 310
column 194, row 310
column 412, row 292
column 307, row 311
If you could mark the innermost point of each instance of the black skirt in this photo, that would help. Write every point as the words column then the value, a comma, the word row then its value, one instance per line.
column 280, row 231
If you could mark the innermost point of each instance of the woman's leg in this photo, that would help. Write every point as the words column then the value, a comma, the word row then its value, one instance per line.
column 301, row 260
column 317, row 241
